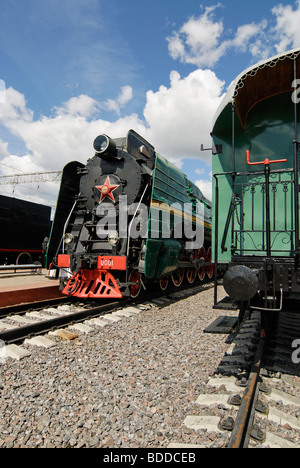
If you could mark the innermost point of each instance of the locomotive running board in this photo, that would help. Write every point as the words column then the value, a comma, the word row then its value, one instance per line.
column 93, row 284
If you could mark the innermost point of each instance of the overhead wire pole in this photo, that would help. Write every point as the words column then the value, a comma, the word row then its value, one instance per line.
column 31, row 177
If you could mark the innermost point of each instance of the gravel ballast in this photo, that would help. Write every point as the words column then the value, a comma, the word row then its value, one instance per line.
column 130, row 384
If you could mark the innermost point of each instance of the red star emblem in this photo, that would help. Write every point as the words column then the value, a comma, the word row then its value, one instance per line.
column 107, row 190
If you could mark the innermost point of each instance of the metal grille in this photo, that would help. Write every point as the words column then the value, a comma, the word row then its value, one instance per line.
column 249, row 231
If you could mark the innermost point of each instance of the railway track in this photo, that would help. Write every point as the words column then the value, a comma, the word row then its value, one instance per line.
column 46, row 319
column 253, row 399
column 242, row 429
column 22, row 322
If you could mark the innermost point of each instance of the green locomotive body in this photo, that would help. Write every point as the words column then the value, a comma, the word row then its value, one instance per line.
column 173, row 198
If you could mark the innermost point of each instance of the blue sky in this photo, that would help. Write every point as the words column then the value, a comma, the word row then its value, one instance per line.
column 76, row 68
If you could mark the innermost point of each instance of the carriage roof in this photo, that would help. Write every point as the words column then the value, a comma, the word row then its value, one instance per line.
column 264, row 80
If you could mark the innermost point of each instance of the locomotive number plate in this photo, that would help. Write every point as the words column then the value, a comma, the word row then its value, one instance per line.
column 111, row 263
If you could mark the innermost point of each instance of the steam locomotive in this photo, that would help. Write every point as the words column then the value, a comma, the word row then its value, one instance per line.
column 126, row 219
column 256, row 184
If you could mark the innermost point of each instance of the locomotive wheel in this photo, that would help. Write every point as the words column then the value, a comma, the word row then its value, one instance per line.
column 202, row 271
column 177, row 277
column 135, row 289
column 163, row 283
column 191, row 275
column 210, row 269
column 26, row 261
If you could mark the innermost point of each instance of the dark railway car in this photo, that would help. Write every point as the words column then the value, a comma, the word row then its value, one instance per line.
column 256, row 184
column 125, row 219
column 24, row 226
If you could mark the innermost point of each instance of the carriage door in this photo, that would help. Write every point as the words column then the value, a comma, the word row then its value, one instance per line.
column 264, row 221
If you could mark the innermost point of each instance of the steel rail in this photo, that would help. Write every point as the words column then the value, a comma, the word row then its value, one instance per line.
column 240, row 434
column 20, row 333
column 26, row 306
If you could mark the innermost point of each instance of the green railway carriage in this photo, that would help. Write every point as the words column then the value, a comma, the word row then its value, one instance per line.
column 256, row 183
column 127, row 218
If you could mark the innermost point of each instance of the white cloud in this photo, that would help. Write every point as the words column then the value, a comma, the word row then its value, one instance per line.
column 85, row 106
column 3, row 149
column 36, row 192
column 205, row 186
column 199, row 171
column 13, row 164
column 244, row 35
column 50, row 142
column 197, row 41
column 287, row 26
column 2, row 91
column 124, row 97
column 14, row 108
column 203, row 40
column 82, row 105
column 179, row 118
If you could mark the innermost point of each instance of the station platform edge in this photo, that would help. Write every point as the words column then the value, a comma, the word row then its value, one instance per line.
column 18, row 289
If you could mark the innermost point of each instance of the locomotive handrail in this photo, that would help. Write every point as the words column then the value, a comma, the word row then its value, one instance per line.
column 65, row 228
column 131, row 222
column 265, row 162
column 252, row 173
column 227, row 224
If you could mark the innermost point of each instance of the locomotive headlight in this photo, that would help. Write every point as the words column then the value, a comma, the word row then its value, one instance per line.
column 68, row 238
column 113, row 238
column 105, row 145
